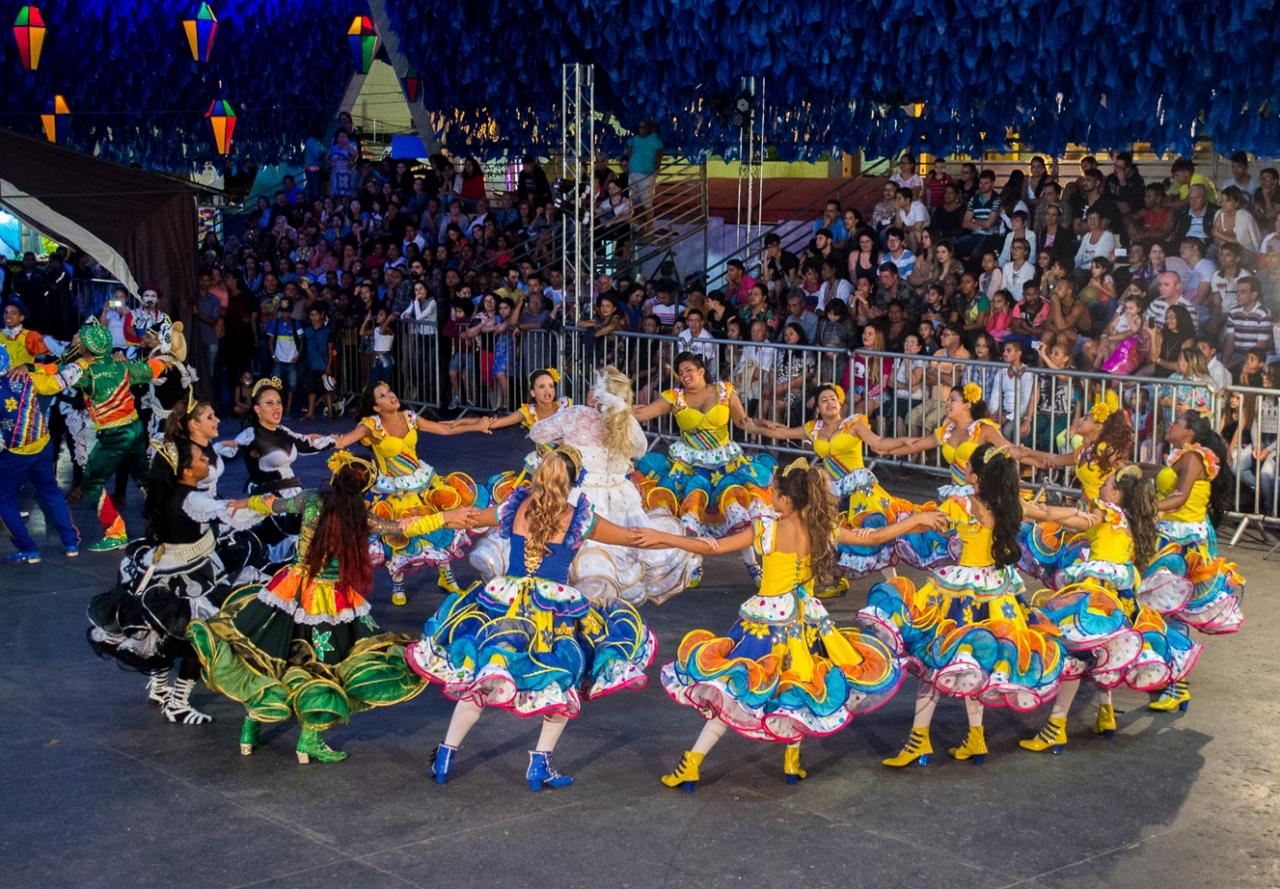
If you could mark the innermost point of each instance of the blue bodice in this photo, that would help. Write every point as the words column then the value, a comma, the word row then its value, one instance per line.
column 556, row 563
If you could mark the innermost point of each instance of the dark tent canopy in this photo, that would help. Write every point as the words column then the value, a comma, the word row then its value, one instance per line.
column 139, row 226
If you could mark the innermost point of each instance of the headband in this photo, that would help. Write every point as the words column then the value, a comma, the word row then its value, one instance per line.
column 799, row 464
column 574, row 456
column 168, row 451
column 972, row 393
column 266, row 383
column 1128, row 471
column 1002, row 451
column 340, row 460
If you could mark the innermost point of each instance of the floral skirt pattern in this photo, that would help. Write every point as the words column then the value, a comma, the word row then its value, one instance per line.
column 784, row 671
column 970, row 636
column 532, row 646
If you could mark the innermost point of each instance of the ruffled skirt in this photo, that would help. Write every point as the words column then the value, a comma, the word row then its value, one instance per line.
column 602, row 572
column 1047, row 548
column 500, row 486
column 302, row 647
column 143, row 620
column 404, row 555
column 1190, row 582
column 532, row 646
column 871, row 506
column 1110, row 636
column 784, row 671
column 970, row 636
column 708, row 501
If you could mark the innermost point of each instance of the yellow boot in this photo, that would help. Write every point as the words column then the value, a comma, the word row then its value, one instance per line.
column 839, row 589
column 916, row 750
column 974, row 747
column 447, row 582
column 1105, row 724
column 1052, row 737
column 686, row 773
column 791, row 765
column 1174, row 697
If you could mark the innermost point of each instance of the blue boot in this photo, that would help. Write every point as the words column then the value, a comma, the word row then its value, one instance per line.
column 542, row 774
column 442, row 763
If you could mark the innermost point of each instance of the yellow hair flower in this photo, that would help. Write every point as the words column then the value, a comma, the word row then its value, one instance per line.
column 839, row 390
column 1105, row 407
column 972, row 393
column 339, row 460
column 553, row 373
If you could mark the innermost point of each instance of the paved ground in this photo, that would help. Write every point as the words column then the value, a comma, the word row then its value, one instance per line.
column 98, row 791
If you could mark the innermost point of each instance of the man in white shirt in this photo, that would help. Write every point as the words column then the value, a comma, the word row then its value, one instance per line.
column 1224, row 283
column 1013, row 390
column 1240, row 177
column 913, row 217
column 695, row 338
column 1019, row 271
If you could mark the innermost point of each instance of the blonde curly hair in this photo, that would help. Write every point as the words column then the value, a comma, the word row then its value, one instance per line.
column 612, row 391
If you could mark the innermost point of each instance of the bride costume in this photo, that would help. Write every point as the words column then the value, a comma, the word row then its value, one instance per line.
column 600, row 571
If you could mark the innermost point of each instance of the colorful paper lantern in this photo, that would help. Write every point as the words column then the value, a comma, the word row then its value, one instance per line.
column 364, row 42
column 56, row 119
column 28, row 31
column 412, row 85
column 222, row 118
column 200, row 33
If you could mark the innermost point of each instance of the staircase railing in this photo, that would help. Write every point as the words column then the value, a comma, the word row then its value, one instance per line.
column 794, row 237
column 678, row 214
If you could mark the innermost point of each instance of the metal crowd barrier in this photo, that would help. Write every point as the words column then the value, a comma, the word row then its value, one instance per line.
column 1254, row 416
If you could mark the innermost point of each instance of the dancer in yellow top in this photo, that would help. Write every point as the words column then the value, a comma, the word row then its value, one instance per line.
column 784, row 671
column 406, row 486
column 839, row 442
column 705, row 480
column 544, row 404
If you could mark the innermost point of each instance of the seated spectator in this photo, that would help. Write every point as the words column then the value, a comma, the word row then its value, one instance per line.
column 1019, row 270
column 991, row 279
column 1018, row 229
column 1155, row 220
column 935, row 185
column 891, row 288
column 1037, row 177
column 1027, row 326
column 974, row 305
column 1217, row 370
column 1094, row 198
column 1196, row 283
column 1055, row 397
column 982, row 221
column 1055, row 239
column 948, row 215
column 853, row 223
column 1126, row 326
column 1100, row 289
column 719, row 313
column 908, row 384
column 1069, row 319
column 1185, row 179
column 798, row 314
column 885, row 213
column 864, row 256
column 784, row 395
column 778, row 267
column 1197, row 397
column 663, row 304
column 835, row 332
column 1168, row 340
column 1195, row 219
column 1239, row 178
column 986, row 350
column 1124, row 185
column 697, row 339
column 1169, row 294
column 757, row 309
column 832, row 221
column 1249, row 324
column 1095, row 241
column 1223, row 285
column 912, row 218
column 737, row 283
column 1266, row 200
column 897, row 253
column 830, row 288
column 1000, row 318
column 1234, row 224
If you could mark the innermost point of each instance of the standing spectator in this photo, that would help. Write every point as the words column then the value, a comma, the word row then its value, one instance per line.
column 1011, row 394
column 210, row 327
column 1239, row 178
column 535, row 331
column 1249, row 324
column 531, row 183
column 283, row 337
column 935, row 185
column 64, row 317
column 697, row 339
column 380, row 329
column 644, row 157
column 319, row 359
column 421, row 312
column 341, row 160
column 313, row 165
column 1124, row 184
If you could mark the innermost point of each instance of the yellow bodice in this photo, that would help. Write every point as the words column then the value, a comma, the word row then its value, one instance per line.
column 1196, row 509
column 529, row 412
column 782, row 572
column 395, row 455
column 1091, row 477
column 975, row 538
column 1110, row 540
column 702, row 430
column 957, row 455
column 842, row 452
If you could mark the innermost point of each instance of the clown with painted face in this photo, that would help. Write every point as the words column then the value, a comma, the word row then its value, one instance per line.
column 105, row 382
column 147, row 318
column 173, row 387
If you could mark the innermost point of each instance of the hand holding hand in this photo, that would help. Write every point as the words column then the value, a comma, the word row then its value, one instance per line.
column 933, row 521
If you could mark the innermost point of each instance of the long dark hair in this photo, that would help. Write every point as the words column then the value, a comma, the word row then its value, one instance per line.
column 342, row 531
column 251, row 416
column 1221, row 485
column 366, row 398
column 811, row 495
column 997, row 488
column 163, row 483
column 1138, row 500
column 175, row 426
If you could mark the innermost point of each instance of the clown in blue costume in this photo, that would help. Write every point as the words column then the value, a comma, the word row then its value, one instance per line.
column 1111, row 637
column 967, row 627
column 705, row 480
column 528, row 642
column 839, row 442
column 784, row 671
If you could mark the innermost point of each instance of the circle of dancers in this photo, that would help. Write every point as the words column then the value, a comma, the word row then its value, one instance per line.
column 267, row 598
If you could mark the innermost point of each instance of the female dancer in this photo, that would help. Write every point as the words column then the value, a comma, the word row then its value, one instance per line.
column 705, row 480
column 1106, row 444
column 1194, row 487
column 784, row 671
column 1109, row 634
column 167, row 579
column 270, row 450
column 406, row 486
column 527, row 641
column 838, row 442
column 608, row 437
column 544, row 403
column 305, row 645
column 966, row 626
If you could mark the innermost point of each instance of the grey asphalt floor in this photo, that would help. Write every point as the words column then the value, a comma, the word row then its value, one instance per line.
column 98, row 791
